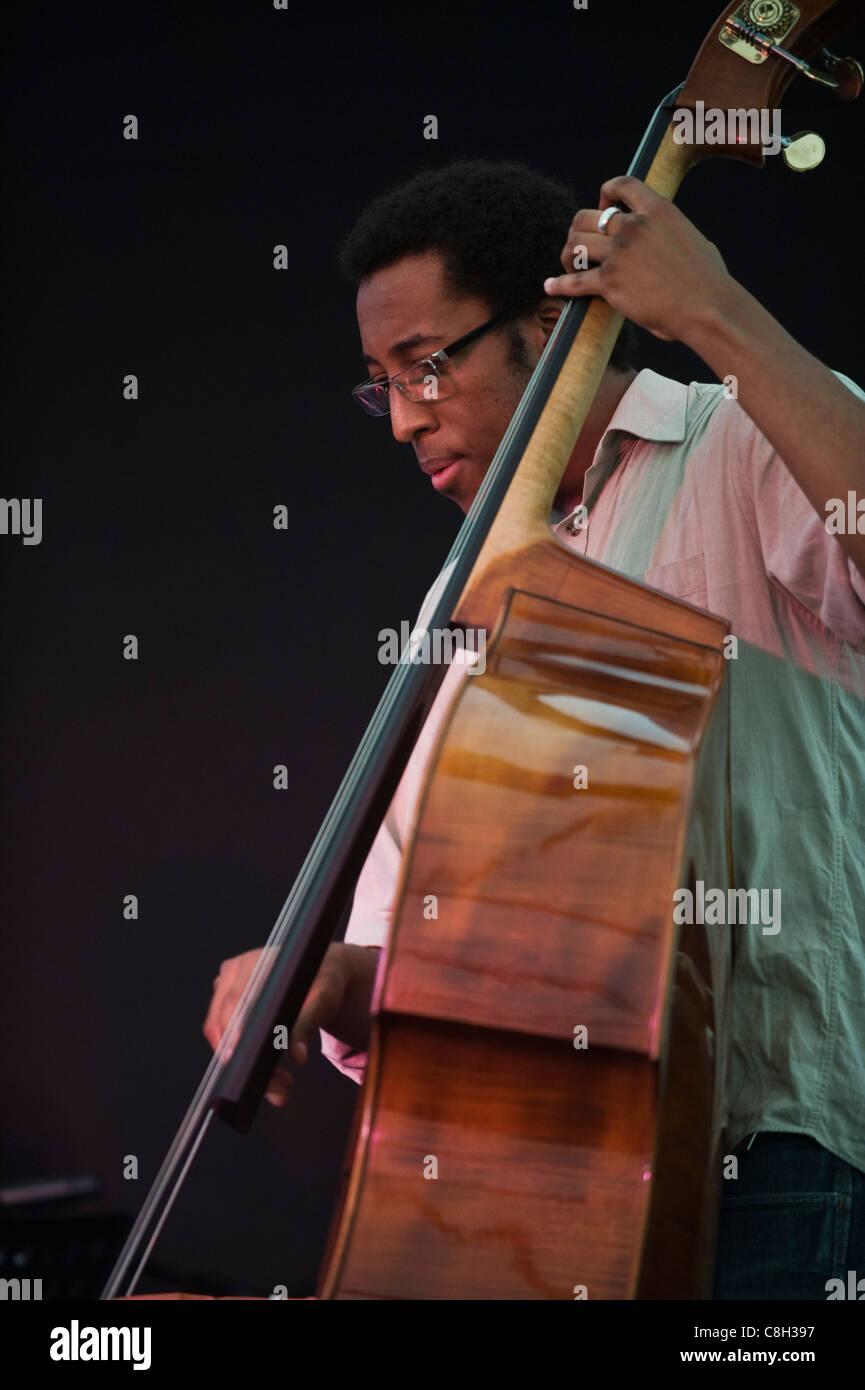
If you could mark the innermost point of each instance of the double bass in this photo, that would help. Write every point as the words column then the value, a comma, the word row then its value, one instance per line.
column 550, row 1042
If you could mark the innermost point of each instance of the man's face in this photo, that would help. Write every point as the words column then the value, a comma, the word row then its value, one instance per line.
column 405, row 312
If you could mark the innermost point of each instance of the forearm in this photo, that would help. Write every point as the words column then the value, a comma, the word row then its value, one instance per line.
column 811, row 419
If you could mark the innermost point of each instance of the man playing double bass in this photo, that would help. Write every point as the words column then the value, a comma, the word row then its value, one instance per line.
column 718, row 496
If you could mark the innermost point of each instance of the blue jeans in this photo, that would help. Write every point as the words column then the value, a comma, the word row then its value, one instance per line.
column 793, row 1219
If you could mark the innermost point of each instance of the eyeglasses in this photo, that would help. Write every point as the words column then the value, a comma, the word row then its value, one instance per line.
column 421, row 381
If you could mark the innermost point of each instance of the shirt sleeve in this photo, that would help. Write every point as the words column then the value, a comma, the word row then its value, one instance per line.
column 369, row 924
column 798, row 551
column 374, row 895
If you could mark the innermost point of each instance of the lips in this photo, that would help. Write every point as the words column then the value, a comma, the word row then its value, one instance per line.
column 437, row 465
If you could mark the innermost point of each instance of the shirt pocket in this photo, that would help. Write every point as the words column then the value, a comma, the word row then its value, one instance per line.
column 685, row 579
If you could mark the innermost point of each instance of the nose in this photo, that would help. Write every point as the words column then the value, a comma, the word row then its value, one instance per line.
column 407, row 418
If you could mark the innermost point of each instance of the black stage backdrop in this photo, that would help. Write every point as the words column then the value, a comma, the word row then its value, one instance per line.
column 154, row 777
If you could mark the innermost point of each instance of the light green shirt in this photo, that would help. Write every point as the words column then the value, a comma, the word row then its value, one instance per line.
column 687, row 495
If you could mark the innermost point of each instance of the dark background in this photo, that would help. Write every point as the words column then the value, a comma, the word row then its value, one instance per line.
column 257, row 646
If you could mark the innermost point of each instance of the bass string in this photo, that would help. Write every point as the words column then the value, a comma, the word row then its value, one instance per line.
column 198, row 1114
column 465, row 547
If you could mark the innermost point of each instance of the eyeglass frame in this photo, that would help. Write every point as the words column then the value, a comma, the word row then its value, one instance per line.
column 436, row 360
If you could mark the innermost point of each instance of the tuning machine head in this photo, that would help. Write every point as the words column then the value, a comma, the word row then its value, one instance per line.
column 755, row 32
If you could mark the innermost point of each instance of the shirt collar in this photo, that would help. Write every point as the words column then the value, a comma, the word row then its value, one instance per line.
column 653, row 407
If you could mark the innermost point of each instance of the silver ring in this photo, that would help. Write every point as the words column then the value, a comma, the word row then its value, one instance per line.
column 605, row 217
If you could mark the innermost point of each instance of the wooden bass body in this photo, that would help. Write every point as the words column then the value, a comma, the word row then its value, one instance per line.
column 543, row 1109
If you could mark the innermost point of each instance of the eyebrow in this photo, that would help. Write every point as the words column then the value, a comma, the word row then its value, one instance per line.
column 406, row 343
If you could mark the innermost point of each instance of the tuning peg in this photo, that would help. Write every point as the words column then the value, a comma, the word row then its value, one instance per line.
column 847, row 73
column 803, row 151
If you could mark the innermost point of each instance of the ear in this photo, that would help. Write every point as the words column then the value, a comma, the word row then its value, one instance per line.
column 546, row 315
